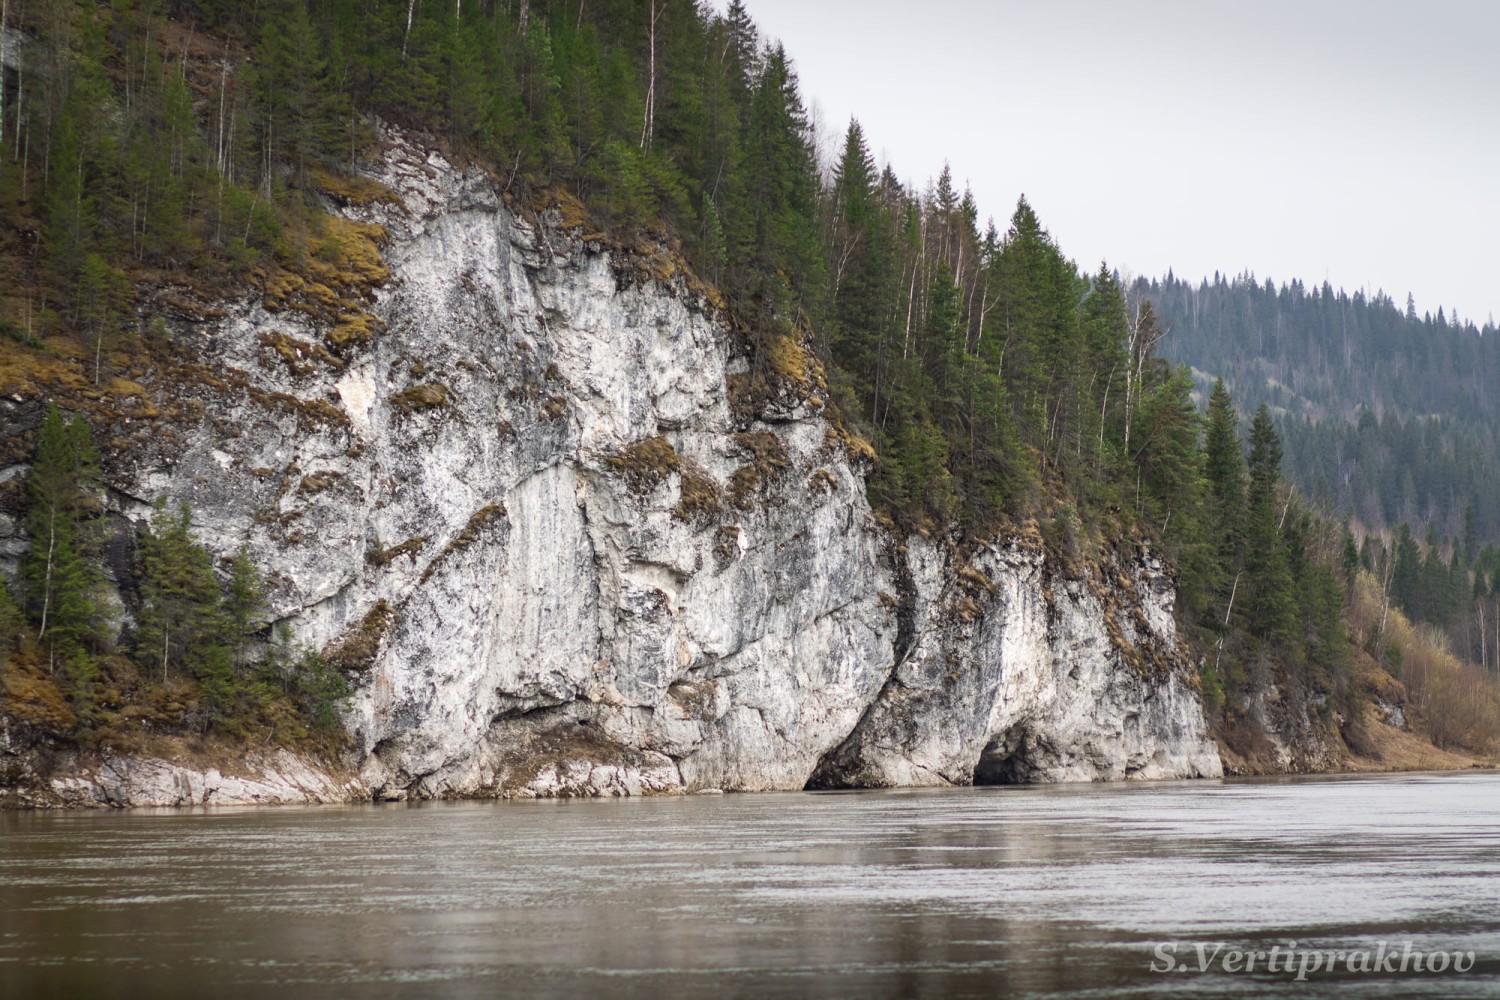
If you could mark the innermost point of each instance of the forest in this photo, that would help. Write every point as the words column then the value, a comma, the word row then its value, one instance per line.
column 1389, row 423
column 1389, row 416
column 998, row 384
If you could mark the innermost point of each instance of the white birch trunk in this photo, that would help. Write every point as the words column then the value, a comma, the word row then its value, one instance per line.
column 4, row 15
column 648, row 125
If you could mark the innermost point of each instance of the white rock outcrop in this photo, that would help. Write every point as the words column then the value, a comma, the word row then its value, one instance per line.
column 545, row 622
column 1034, row 678
column 282, row 778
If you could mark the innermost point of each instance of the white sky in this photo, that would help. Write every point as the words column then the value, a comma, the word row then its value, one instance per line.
column 1356, row 141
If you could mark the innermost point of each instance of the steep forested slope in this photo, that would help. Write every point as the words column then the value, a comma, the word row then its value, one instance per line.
column 1388, row 419
column 1387, row 416
column 163, row 158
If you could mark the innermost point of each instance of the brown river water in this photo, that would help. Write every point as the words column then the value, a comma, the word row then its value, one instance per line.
column 1141, row 889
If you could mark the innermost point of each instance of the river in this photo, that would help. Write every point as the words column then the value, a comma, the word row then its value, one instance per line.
column 1096, row 890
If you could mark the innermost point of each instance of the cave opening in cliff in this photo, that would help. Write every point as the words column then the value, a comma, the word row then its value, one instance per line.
column 1003, row 761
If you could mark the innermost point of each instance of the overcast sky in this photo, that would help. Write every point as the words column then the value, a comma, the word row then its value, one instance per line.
column 1356, row 141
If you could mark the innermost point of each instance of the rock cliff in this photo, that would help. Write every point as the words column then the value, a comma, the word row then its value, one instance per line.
column 565, row 541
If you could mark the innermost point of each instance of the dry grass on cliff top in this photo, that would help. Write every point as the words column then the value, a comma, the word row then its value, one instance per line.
column 328, row 270
column 651, row 256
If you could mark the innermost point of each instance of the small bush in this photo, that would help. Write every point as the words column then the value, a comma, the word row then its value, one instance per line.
column 646, row 464
column 417, row 398
column 699, row 499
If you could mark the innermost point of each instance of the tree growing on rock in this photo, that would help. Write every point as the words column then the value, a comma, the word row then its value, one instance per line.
column 59, row 575
column 180, row 617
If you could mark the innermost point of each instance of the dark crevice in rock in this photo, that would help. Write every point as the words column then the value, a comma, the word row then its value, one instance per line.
column 1011, row 758
column 906, row 608
column 509, row 708
column 833, row 770
column 840, row 767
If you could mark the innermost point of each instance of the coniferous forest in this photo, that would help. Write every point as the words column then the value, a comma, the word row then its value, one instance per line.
column 1001, row 388
column 1388, row 420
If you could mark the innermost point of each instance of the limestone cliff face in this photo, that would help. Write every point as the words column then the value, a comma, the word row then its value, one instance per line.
column 1038, row 677
column 556, row 558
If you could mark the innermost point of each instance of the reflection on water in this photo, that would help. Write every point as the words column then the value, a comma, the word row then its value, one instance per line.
column 972, row 892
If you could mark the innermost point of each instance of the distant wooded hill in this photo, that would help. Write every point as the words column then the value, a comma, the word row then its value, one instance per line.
column 1386, row 415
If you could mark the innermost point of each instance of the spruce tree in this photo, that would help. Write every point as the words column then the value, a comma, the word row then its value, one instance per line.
column 244, row 601
column 1167, row 457
column 1100, row 416
column 1349, row 555
column 1268, row 579
column 300, row 116
column 180, row 618
column 1406, row 571
column 863, row 264
column 785, row 263
column 58, row 569
column 1224, row 473
column 743, row 50
column 68, row 202
column 1036, row 322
